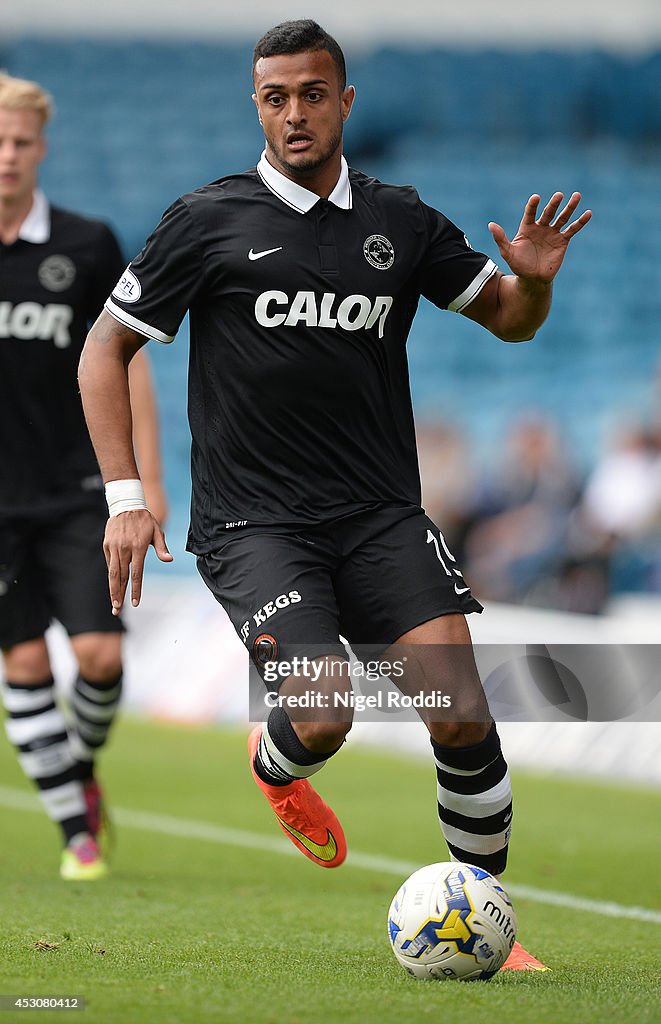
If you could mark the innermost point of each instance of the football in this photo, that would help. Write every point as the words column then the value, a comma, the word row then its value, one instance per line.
column 451, row 920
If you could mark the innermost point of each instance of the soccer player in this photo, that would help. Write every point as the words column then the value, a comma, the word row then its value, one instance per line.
column 55, row 271
column 302, row 277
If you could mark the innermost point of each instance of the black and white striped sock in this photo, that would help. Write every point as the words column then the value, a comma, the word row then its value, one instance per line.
column 475, row 801
column 281, row 757
column 94, row 707
column 36, row 727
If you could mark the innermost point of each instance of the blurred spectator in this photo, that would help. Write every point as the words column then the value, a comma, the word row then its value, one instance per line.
column 618, row 522
column 449, row 481
column 623, row 493
column 531, row 532
column 518, row 539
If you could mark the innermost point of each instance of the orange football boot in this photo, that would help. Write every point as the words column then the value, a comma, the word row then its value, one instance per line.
column 301, row 813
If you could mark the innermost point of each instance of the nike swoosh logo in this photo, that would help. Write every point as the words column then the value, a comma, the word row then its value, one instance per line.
column 325, row 852
column 460, row 590
column 252, row 255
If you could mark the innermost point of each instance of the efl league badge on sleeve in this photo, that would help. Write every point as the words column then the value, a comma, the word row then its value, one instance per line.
column 127, row 288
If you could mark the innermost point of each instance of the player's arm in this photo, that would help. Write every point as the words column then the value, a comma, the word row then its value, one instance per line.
column 146, row 436
column 104, row 388
column 513, row 306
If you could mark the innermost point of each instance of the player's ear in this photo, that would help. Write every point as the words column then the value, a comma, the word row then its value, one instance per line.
column 256, row 102
column 346, row 100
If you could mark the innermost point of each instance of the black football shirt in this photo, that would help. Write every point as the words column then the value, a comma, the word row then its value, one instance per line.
column 299, row 400
column 53, row 283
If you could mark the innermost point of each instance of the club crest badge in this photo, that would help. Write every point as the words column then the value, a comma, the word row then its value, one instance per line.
column 264, row 649
column 56, row 273
column 379, row 252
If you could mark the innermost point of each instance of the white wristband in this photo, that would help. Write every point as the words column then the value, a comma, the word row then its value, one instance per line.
column 124, row 496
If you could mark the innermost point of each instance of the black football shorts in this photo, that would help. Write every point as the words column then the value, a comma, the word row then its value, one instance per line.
column 368, row 578
column 54, row 569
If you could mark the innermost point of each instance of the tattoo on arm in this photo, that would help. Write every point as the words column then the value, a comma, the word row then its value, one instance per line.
column 107, row 329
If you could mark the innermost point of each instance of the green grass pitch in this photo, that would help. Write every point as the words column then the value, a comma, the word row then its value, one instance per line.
column 208, row 918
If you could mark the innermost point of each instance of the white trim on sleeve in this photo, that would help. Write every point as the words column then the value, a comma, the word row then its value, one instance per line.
column 474, row 288
column 137, row 325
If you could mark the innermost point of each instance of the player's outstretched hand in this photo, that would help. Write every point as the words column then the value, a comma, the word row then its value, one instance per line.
column 125, row 546
column 537, row 250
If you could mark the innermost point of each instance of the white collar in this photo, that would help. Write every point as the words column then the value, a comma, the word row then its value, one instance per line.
column 300, row 198
column 36, row 226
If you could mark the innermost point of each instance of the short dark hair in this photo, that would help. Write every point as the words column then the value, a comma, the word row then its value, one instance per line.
column 302, row 36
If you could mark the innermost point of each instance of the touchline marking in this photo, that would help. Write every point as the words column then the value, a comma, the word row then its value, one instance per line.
column 182, row 828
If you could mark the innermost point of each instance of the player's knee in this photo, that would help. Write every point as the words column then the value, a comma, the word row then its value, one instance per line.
column 27, row 663
column 459, row 734
column 322, row 737
column 99, row 657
